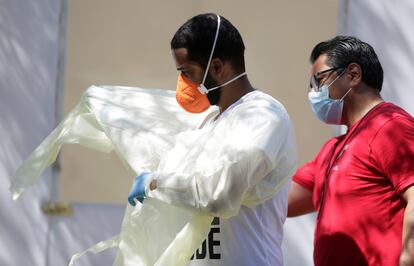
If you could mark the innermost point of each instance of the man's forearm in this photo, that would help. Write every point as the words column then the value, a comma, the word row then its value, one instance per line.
column 407, row 252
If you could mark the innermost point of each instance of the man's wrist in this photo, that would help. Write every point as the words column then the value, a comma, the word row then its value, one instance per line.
column 153, row 184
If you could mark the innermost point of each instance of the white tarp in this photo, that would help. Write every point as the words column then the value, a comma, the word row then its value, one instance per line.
column 89, row 224
column 29, row 52
column 388, row 27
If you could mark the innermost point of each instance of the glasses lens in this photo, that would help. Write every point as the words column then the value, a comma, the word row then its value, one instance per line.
column 313, row 84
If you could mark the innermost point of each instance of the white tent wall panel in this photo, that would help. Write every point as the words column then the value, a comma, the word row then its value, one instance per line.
column 298, row 240
column 388, row 27
column 89, row 224
column 28, row 70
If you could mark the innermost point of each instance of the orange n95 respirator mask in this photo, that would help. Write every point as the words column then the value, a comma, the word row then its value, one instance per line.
column 189, row 97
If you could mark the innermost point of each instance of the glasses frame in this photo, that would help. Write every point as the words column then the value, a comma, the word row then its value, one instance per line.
column 314, row 84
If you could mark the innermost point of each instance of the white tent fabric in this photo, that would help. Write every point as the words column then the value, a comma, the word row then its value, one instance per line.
column 29, row 55
column 388, row 27
column 89, row 224
column 141, row 125
column 298, row 240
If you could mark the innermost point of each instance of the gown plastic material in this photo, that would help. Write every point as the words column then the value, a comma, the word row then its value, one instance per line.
column 242, row 158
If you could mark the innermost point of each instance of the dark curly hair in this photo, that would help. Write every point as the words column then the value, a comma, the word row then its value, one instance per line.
column 197, row 36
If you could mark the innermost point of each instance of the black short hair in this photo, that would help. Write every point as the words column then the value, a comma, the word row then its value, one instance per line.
column 197, row 36
column 343, row 50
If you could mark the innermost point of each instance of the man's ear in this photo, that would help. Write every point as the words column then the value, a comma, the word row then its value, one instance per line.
column 355, row 75
column 216, row 68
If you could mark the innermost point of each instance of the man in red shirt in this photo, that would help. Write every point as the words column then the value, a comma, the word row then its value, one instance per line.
column 360, row 183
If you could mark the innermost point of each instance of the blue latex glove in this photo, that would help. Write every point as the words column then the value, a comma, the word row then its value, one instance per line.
column 138, row 188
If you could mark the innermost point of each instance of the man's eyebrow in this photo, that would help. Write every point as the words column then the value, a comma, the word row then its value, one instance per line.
column 181, row 68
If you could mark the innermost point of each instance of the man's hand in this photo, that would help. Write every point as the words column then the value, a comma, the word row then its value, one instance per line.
column 138, row 188
column 407, row 252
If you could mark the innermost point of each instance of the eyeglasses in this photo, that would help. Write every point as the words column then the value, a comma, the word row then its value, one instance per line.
column 315, row 83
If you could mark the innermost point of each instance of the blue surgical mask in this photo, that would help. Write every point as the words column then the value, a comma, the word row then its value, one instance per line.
column 326, row 109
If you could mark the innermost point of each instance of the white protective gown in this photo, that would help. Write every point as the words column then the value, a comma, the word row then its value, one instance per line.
column 226, row 168
column 249, row 143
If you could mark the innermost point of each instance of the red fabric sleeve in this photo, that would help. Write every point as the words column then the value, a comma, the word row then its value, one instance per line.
column 393, row 151
column 305, row 177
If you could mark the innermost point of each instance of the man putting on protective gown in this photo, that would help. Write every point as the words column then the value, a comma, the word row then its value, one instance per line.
column 251, row 141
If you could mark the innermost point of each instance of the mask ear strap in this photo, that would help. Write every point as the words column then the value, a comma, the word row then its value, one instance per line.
column 343, row 97
column 212, row 50
column 337, row 77
column 228, row 82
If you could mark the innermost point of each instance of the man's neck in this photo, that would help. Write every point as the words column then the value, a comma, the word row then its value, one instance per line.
column 359, row 105
column 233, row 92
